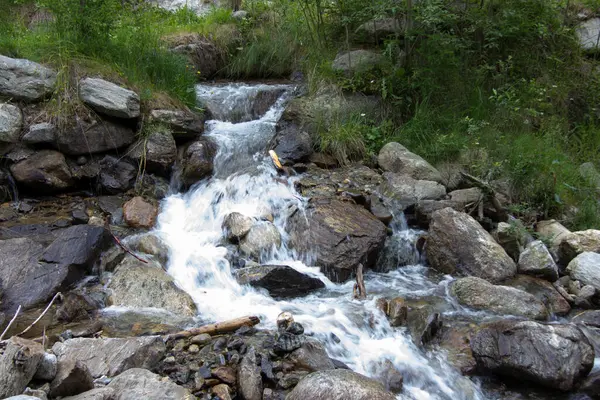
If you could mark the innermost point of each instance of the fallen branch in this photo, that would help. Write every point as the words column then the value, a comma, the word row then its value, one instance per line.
column 10, row 323
column 489, row 192
column 41, row 315
column 214, row 329
column 125, row 248
column 360, row 291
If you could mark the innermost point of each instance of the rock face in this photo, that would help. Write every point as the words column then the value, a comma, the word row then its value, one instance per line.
column 18, row 364
column 136, row 383
column 586, row 269
column 457, row 243
column 556, row 356
column 112, row 356
column 139, row 285
column 587, row 33
column 44, row 133
column 479, row 294
column 25, row 80
column 139, row 213
column 279, row 280
column 183, row 124
column 536, row 260
column 262, row 238
column 197, row 161
column 393, row 157
column 356, row 61
column 73, row 377
column 339, row 384
column 342, row 234
column 408, row 191
column 109, row 99
column 11, row 122
column 96, row 137
column 157, row 152
column 45, row 170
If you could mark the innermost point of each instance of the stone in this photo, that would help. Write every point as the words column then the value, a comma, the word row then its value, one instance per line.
column 196, row 161
column 47, row 368
column 263, row 238
column 341, row 234
column 339, row 384
column 250, row 380
column 292, row 144
column 381, row 28
column 586, row 269
column 108, row 98
column 202, row 53
column 225, row 374
column 398, row 251
column 112, row 356
column 138, row 285
column 137, row 383
column 393, row 157
column 44, row 133
column 240, row 14
column 587, row 33
column 18, row 364
column 543, row 290
column 280, row 281
column 103, row 393
column 552, row 232
column 222, row 391
column 141, row 322
column 11, row 121
column 356, row 61
column 589, row 172
column 423, row 324
column 397, row 311
column 116, row 175
column 25, row 80
column 576, row 243
column 479, row 294
column 237, row 225
column 591, row 386
column 288, row 342
column 536, row 260
column 184, row 124
column 380, row 210
column 96, row 136
column 151, row 244
column 201, row 340
column 555, row 356
column 311, row 357
column 157, row 152
column 73, row 377
column 408, row 191
column 46, row 170
column 458, row 244
column 139, row 214
column 390, row 377
column 78, row 245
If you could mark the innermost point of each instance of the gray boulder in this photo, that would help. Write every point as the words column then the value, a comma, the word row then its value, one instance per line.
column 261, row 239
column 112, row 356
column 78, row 245
column 408, row 191
column 237, row 225
column 116, row 175
column 136, row 384
column 379, row 29
column 292, row 144
column 339, row 384
column 311, row 357
column 97, row 136
column 393, row 157
column 196, row 160
column 184, row 124
column 543, row 290
column 104, row 393
column 44, row 133
column 342, row 234
column 555, row 356
column 585, row 268
column 479, row 294
column 249, row 377
column 157, row 152
column 465, row 197
column 73, row 377
column 356, row 61
column 18, row 364
column 575, row 243
column 11, row 122
column 587, row 33
column 138, row 285
column 109, row 99
column 45, row 170
column 25, row 80
column 458, row 244
column 47, row 369
column 202, row 53
column 280, row 281
column 536, row 260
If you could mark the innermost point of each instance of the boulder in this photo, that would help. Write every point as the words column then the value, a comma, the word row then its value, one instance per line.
column 157, row 152
column 408, row 191
column 201, row 52
column 249, row 377
column 339, row 384
column 47, row 368
column 356, row 179
column 138, row 285
column 184, row 124
column 196, row 161
column 46, row 170
column 261, row 239
column 116, row 175
column 44, row 133
column 398, row 251
column 292, row 144
column 585, row 268
column 510, row 239
column 78, row 245
column 553, row 232
column 479, row 294
column 112, row 356
column 576, row 243
column 341, row 234
column 466, row 197
column 393, row 157
column 458, row 244
column 311, row 357
column 151, row 244
column 587, row 33
column 139, row 214
column 237, row 225
column 25, row 80
column 555, row 356
column 73, row 377
column 423, row 323
column 381, row 28
column 11, row 122
column 543, row 290
column 103, row 393
column 536, row 260
column 96, row 136
column 18, row 364
column 390, row 376
column 118, row 322
column 356, row 61
column 136, row 384
column 591, row 386
column 397, row 312
column 109, row 99
column 280, row 281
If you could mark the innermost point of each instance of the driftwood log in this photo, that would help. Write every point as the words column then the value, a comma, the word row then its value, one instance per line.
column 214, row 329
column 360, row 291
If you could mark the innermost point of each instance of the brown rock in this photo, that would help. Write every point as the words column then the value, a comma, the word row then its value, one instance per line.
column 139, row 214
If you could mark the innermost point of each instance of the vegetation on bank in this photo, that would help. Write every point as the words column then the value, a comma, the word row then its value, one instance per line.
column 497, row 87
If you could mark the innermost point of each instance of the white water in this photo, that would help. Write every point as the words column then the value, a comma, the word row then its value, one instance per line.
column 355, row 332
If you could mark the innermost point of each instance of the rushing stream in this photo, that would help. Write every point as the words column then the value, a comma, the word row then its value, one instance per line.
column 354, row 332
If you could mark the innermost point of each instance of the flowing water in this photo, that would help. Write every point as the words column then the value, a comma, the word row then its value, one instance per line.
column 354, row 332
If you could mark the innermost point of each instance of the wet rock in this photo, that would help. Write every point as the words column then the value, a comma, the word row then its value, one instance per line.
column 197, row 161
column 47, row 368
column 342, row 234
column 536, row 260
column 11, row 122
column 112, row 356
column 555, row 356
column 46, row 170
column 380, row 210
column 104, row 393
column 543, row 291
column 139, row 214
column 237, row 225
column 311, row 357
column 96, row 136
column 18, row 364
column 408, row 191
column 153, row 186
column 157, row 152
column 588, row 318
column 586, row 269
column 458, row 244
column 184, row 124
column 356, row 61
column 481, row 295
column 288, row 342
column 116, row 175
column 291, row 379
column 398, row 251
column 454, row 339
column 393, row 157
column 109, row 99
column 73, row 377
column 44, row 133
column 423, row 324
column 292, row 144
column 250, row 380
column 390, row 377
column 262, row 238
column 78, row 245
column 338, row 384
column 576, row 243
column 225, row 374
column 280, row 281
column 591, row 386
column 397, row 311
column 25, row 80
column 136, row 383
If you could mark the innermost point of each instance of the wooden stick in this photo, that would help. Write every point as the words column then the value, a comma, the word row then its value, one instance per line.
column 489, row 192
column 10, row 323
column 213, row 329
column 275, row 160
column 42, row 314
column 125, row 248
column 360, row 291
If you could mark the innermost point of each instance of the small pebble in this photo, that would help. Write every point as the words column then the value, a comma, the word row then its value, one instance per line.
column 194, row 348
column 169, row 360
column 201, row 339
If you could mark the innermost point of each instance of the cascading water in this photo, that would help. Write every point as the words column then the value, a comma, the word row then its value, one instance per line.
column 354, row 332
